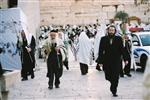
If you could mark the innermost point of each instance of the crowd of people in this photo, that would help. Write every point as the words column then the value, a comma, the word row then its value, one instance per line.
column 107, row 45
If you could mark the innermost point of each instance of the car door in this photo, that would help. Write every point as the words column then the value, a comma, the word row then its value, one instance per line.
column 136, row 45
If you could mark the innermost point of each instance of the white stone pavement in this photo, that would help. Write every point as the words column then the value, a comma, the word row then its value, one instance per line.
column 74, row 86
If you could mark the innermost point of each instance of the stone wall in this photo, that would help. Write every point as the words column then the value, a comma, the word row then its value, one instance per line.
column 87, row 11
column 32, row 11
column 3, row 4
column 77, row 11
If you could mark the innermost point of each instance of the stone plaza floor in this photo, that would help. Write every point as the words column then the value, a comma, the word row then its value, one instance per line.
column 74, row 86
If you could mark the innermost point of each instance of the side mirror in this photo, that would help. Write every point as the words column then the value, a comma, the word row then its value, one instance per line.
column 135, row 43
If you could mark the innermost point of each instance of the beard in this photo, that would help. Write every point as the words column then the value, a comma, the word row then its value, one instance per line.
column 111, row 35
column 53, row 41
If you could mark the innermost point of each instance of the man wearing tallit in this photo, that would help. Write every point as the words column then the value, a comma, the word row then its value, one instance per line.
column 27, row 44
column 85, row 47
column 55, row 51
column 64, row 38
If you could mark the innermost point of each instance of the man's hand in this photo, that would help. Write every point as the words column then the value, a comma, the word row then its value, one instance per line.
column 101, row 65
column 28, row 49
column 126, row 62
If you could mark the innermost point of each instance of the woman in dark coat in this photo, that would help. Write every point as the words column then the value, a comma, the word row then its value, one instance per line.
column 110, row 52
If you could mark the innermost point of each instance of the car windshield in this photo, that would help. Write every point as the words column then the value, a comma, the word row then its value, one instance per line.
column 145, row 39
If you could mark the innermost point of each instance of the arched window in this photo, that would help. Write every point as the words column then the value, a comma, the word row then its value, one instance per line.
column 12, row 3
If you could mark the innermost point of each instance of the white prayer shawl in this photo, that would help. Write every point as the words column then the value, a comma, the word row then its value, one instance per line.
column 61, row 36
column 60, row 45
column 101, row 31
column 29, row 38
column 85, row 47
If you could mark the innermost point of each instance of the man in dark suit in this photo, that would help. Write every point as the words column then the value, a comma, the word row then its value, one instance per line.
column 127, row 48
column 110, row 51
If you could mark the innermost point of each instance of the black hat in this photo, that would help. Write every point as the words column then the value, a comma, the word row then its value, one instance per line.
column 54, row 30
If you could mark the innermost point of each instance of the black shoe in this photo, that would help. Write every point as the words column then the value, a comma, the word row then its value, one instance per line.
column 86, row 71
column 57, row 86
column 115, row 95
column 24, row 79
column 140, row 70
column 121, row 75
column 32, row 76
column 129, row 75
column 83, row 73
column 67, row 67
column 50, row 87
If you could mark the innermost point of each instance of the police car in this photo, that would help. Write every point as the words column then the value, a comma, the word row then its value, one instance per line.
column 141, row 48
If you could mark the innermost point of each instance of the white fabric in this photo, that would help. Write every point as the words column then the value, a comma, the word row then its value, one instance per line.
column 100, row 33
column 85, row 47
column 60, row 44
column 29, row 38
column 61, row 35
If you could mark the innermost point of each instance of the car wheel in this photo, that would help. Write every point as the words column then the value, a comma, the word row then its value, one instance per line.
column 143, row 61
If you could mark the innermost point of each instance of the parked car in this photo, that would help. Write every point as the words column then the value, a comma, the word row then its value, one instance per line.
column 141, row 48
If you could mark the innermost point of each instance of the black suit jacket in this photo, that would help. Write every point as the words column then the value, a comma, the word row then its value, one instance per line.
column 110, row 55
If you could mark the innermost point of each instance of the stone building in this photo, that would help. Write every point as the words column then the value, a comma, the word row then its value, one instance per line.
column 45, row 12
column 87, row 11
column 31, row 9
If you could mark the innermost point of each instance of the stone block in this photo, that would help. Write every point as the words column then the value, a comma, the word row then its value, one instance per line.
column 3, row 3
column 31, row 9
column 143, row 7
column 120, row 8
column 9, row 79
column 110, row 15
column 109, row 9
column 126, row 2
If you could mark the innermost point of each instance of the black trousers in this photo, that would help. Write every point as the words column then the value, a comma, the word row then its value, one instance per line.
column 83, row 68
column 25, row 72
column 114, row 85
column 66, row 63
column 121, row 69
column 113, row 78
column 51, row 77
column 127, row 67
